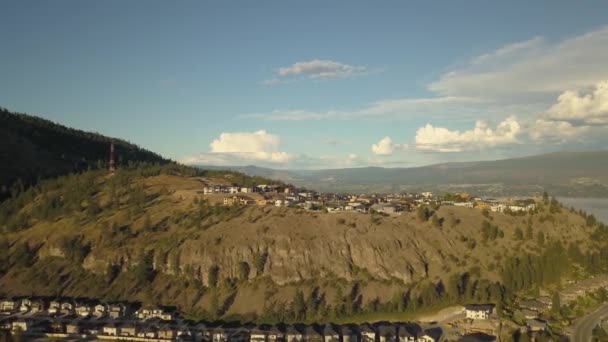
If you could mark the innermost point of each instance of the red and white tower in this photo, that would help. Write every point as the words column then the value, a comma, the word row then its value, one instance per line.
column 112, row 163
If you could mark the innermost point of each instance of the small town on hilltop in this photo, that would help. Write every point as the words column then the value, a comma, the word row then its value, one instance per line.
column 390, row 204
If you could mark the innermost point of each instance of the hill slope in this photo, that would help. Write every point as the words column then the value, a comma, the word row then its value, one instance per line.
column 563, row 173
column 33, row 148
column 146, row 234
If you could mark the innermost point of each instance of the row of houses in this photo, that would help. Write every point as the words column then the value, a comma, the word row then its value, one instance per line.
column 156, row 329
column 221, row 189
column 80, row 308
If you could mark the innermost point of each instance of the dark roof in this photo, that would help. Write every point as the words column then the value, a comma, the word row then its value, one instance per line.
column 292, row 330
column 348, row 329
column 434, row 333
column 479, row 307
column 477, row 337
column 366, row 328
column 310, row 330
column 387, row 329
column 329, row 330
column 404, row 330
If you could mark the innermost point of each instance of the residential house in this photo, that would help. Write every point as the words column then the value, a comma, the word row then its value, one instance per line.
column 477, row 337
column 536, row 325
column 276, row 334
column 259, row 334
column 9, row 305
column 22, row 324
column 406, row 334
column 73, row 327
column 529, row 314
column 154, row 312
column 430, row 335
column 100, row 310
column 238, row 200
column 312, row 335
column 233, row 190
column 534, row 305
column 368, row 334
column 54, row 307
column 128, row 330
column 293, row 334
column 32, row 305
column 478, row 311
column 219, row 334
column 464, row 204
column 202, row 332
column 110, row 329
column 239, row 334
column 67, row 308
column 386, row 332
column 116, row 310
column 166, row 331
column 261, row 202
column 349, row 334
column 148, row 330
column 247, row 190
column 84, row 309
column 330, row 333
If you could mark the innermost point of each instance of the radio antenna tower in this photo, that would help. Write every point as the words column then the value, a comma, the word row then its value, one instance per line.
column 112, row 163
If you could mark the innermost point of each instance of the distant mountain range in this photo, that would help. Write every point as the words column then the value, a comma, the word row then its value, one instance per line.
column 575, row 174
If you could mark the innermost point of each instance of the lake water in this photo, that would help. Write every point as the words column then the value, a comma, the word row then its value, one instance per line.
column 596, row 206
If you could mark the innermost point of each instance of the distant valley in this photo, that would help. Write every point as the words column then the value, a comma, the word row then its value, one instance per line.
column 568, row 174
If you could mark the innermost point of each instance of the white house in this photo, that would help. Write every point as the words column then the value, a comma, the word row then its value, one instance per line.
column 478, row 311
column 464, row 204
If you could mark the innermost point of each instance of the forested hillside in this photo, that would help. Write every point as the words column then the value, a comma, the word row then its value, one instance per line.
column 146, row 233
column 33, row 148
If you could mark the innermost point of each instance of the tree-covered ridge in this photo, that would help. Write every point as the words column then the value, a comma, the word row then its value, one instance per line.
column 32, row 148
column 77, row 194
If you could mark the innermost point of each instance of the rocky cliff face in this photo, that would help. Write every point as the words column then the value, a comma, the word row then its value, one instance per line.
column 278, row 246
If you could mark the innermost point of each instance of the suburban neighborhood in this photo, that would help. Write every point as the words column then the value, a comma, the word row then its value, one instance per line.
column 39, row 317
column 389, row 204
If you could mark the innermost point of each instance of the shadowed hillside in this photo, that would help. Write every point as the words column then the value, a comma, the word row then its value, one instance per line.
column 32, row 148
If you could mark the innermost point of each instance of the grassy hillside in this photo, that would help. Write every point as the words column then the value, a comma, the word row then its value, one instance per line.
column 573, row 174
column 147, row 234
column 32, row 148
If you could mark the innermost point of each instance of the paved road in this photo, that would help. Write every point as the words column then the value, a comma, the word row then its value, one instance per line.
column 583, row 328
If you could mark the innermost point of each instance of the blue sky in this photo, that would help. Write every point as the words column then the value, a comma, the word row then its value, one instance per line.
column 315, row 84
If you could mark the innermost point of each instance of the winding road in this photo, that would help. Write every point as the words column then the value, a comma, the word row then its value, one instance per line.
column 584, row 327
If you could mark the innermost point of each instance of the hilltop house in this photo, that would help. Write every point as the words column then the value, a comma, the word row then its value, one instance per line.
column 330, row 334
column 258, row 334
column 387, row 333
column 9, row 305
column 404, row 334
column 478, row 311
column 349, row 334
column 430, row 335
column 368, row 334
column 276, row 334
column 293, row 334
column 312, row 335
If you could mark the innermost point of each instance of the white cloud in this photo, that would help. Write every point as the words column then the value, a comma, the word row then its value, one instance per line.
column 320, row 69
column 531, row 68
column 555, row 132
column 258, row 145
column 384, row 147
column 440, row 139
column 589, row 109
column 393, row 108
